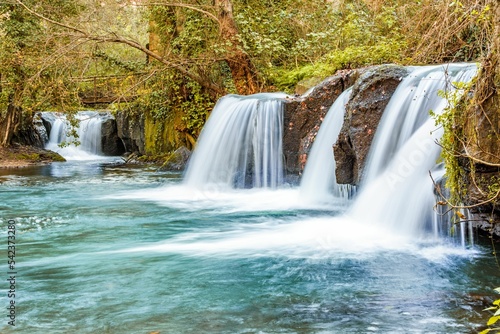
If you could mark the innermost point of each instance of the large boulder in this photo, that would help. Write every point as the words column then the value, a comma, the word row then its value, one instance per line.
column 303, row 116
column 130, row 129
column 33, row 134
column 370, row 95
column 111, row 142
column 177, row 161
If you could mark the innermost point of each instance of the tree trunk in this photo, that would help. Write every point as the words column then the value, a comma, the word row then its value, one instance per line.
column 242, row 69
column 9, row 123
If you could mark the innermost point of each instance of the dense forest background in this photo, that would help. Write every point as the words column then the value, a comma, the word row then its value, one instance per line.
column 173, row 60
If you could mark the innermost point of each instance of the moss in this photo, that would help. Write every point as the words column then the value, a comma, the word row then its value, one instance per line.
column 162, row 135
column 42, row 156
column 53, row 156
column 29, row 156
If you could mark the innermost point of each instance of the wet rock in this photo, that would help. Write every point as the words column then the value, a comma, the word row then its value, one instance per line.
column 111, row 143
column 17, row 156
column 47, row 118
column 34, row 134
column 370, row 95
column 481, row 184
column 303, row 116
column 177, row 161
column 130, row 129
column 40, row 129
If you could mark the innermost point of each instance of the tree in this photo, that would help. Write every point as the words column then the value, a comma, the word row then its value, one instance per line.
column 27, row 83
column 242, row 68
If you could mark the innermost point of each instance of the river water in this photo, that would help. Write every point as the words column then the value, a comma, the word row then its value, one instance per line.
column 106, row 248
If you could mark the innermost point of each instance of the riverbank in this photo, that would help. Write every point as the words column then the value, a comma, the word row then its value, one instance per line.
column 20, row 156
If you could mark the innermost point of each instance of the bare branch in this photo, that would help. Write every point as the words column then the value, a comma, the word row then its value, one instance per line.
column 114, row 38
column 445, row 200
column 468, row 155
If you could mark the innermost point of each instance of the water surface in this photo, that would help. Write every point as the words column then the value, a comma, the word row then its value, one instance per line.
column 104, row 248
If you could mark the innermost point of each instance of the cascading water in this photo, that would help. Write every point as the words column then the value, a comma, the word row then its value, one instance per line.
column 397, row 191
column 318, row 182
column 89, row 136
column 242, row 261
column 241, row 144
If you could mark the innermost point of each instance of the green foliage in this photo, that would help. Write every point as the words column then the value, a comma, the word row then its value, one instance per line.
column 115, row 61
column 287, row 41
column 196, row 108
column 354, row 37
column 452, row 121
column 495, row 309
column 184, row 32
column 176, row 109
column 25, row 49
column 286, row 80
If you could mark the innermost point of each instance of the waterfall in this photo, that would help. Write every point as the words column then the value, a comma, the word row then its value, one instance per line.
column 88, row 131
column 318, row 182
column 397, row 191
column 240, row 146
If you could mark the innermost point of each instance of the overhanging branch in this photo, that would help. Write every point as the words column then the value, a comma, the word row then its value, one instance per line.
column 114, row 38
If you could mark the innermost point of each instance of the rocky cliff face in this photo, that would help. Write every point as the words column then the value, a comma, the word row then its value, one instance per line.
column 111, row 143
column 130, row 129
column 32, row 134
column 481, row 145
column 370, row 95
column 303, row 116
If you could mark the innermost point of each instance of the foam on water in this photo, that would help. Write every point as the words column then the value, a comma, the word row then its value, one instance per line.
column 222, row 199
column 313, row 238
column 391, row 214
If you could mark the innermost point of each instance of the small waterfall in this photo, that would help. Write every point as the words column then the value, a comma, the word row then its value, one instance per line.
column 318, row 182
column 241, row 144
column 89, row 135
column 397, row 191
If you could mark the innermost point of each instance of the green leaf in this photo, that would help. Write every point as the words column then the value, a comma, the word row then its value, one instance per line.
column 490, row 308
column 487, row 330
column 492, row 320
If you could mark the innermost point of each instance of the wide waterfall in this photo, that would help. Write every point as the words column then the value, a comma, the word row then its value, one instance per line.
column 397, row 191
column 88, row 131
column 318, row 182
column 241, row 144
column 216, row 259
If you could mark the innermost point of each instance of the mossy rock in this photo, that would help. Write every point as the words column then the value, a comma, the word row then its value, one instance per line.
column 177, row 161
column 22, row 156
